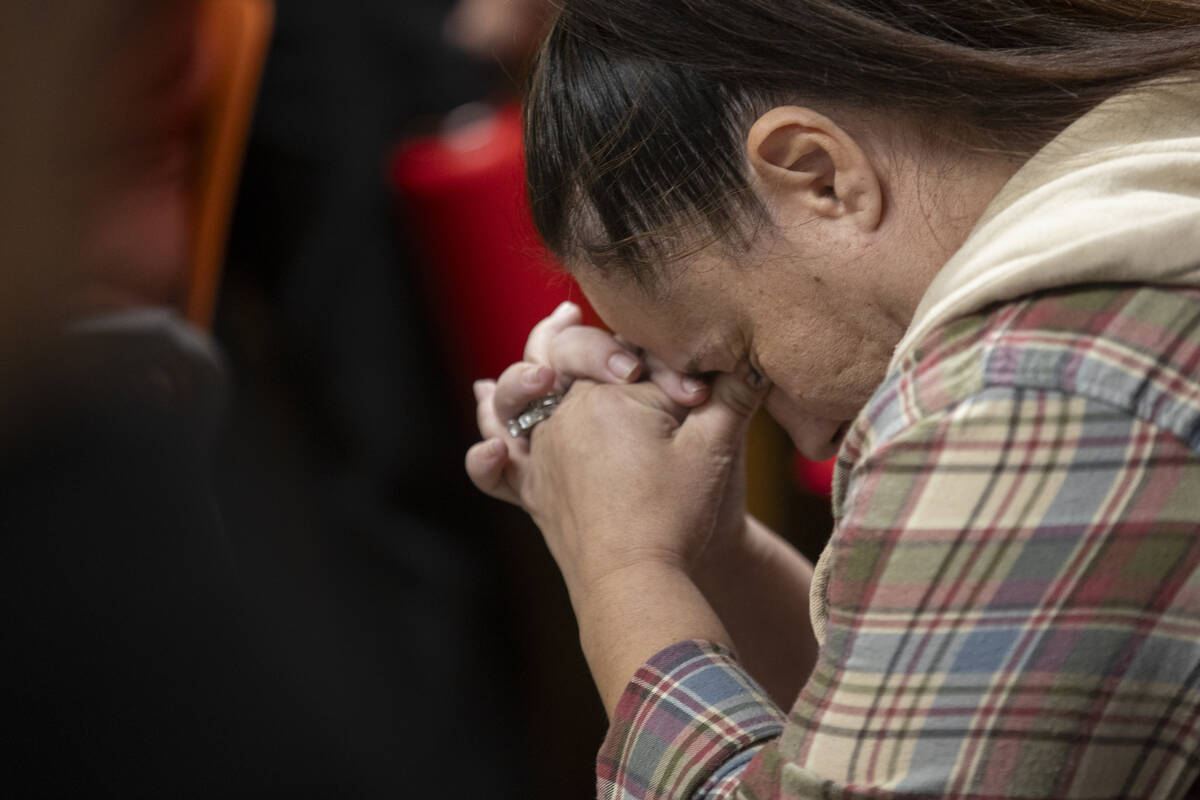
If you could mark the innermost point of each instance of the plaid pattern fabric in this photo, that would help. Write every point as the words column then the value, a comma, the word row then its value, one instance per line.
column 688, row 719
column 1012, row 595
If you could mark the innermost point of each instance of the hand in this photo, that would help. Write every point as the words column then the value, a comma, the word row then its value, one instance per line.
column 626, row 486
column 622, row 475
column 654, row 582
column 559, row 350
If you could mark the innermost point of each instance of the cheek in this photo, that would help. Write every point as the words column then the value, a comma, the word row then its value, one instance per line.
column 827, row 374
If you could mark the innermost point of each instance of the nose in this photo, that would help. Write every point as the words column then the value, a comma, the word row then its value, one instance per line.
column 817, row 438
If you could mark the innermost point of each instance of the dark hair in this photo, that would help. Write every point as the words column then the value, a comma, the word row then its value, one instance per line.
column 637, row 110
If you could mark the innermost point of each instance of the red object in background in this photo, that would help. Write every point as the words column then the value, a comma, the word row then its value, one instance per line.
column 815, row 476
column 488, row 278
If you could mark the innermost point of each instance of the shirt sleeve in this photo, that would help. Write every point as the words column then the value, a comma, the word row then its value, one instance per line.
column 1013, row 612
column 689, row 721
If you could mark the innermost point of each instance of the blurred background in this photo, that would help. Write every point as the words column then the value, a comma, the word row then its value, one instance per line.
column 241, row 553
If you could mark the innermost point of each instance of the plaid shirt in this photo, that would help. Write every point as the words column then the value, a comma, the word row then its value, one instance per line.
column 1010, row 603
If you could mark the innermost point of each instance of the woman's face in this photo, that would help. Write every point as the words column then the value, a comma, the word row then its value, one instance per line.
column 830, row 284
column 815, row 329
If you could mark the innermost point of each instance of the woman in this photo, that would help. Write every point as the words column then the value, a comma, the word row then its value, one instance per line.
column 959, row 246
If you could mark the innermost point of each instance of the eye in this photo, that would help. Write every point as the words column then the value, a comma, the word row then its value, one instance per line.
column 757, row 378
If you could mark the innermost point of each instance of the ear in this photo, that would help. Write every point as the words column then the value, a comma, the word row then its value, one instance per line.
column 807, row 165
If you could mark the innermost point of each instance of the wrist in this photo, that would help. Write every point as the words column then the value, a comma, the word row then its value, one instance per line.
column 629, row 614
column 726, row 555
column 598, row 570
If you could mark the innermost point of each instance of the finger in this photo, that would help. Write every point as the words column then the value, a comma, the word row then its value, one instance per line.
column 485, row 464
column 491, row 426
column 723, row 420
column 628, row 345
column 483, row 396
column 686, row 390
column 584, row 352
column 650, row 395
column 537, row 346
column 520, row 385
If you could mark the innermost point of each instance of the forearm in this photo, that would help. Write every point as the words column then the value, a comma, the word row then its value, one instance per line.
column 633, row 613
column 758, row 586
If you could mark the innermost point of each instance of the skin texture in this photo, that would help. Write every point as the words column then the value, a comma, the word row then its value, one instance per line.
column 635, row 491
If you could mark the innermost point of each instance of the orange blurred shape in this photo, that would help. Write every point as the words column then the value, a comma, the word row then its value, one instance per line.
column 234, row 42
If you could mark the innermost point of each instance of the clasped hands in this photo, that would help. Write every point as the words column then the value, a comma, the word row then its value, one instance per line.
column 638, row 485
column 639, row 463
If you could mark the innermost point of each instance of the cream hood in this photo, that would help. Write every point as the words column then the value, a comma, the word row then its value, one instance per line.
column 1114, row 198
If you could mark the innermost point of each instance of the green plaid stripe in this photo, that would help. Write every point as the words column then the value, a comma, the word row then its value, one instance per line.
column 1014, row 591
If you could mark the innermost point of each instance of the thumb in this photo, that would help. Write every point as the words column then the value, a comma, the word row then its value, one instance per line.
column 649, row 394
column 724, row 418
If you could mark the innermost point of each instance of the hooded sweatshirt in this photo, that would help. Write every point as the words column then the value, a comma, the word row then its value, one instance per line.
column 1115, row 198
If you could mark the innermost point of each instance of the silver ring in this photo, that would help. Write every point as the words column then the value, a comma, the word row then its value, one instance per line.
column 539, row 410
